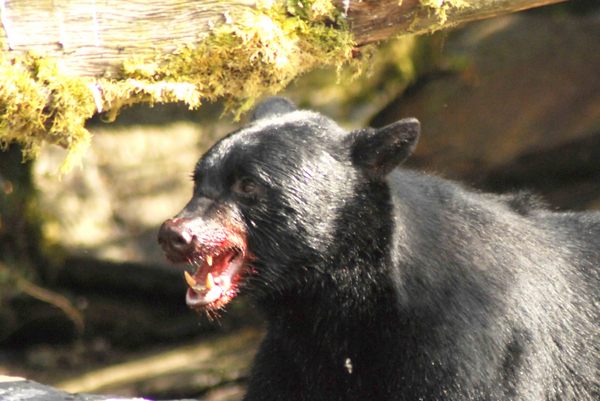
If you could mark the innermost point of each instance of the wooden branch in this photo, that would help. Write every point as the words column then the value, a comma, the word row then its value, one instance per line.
column 92, row 37
column 376, row 20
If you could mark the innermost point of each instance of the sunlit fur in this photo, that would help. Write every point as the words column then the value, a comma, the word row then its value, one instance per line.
column 427, row 290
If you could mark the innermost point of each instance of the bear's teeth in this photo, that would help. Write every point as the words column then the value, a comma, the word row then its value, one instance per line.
column 210, row 281
column 209, row 260
column 189, row 279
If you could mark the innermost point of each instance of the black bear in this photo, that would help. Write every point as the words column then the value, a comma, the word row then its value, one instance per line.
column 380, row 283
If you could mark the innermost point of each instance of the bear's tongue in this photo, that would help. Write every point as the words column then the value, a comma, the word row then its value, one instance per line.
column 213, row 282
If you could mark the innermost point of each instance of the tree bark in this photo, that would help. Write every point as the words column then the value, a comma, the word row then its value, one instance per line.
column 91, row 38
column 376, row 20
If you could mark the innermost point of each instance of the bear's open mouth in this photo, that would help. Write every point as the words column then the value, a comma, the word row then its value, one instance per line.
column 218, row 253
column 215, row 281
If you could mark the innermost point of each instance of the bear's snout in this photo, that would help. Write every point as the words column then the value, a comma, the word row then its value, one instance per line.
column 175, row 239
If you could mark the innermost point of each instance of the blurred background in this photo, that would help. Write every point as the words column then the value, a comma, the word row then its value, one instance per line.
column 88, row 302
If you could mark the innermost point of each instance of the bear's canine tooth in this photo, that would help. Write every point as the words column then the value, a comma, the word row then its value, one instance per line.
column 210, row 281
column 209, row 260
column 189, row 279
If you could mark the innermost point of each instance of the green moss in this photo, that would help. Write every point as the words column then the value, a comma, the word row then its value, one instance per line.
column 441, row 8
column 257, row 51
column 38, row 103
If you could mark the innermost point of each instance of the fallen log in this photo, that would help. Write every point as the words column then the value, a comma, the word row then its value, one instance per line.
column 63, row 61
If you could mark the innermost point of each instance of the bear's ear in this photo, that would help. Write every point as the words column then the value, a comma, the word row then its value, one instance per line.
column 379, row 150
column 271, row 107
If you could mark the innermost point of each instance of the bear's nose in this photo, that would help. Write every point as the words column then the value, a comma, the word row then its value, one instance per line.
column 173, row 236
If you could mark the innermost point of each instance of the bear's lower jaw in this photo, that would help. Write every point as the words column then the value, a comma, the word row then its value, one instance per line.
column 214, row 283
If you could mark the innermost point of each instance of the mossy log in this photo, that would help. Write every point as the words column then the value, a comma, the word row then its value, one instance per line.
column 94, row 38
column 63, row 61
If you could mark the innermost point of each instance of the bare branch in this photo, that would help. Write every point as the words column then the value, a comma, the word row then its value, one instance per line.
column 375, row 20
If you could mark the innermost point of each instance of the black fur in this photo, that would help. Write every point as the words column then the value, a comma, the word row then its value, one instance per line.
column 380, row 283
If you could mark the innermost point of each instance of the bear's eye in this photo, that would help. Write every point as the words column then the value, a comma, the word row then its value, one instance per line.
column 246, row 186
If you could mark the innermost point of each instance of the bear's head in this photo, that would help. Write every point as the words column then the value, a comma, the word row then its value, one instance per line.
column 270, row 200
